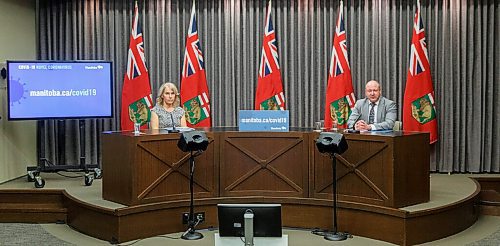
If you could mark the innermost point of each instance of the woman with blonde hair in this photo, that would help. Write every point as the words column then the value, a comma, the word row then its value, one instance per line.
column 167, row 108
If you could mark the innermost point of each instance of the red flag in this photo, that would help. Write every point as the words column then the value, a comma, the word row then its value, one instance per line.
column 269, row 95
column 339, row 94
column 419, row 111
column 194, row 89
column 136, row 93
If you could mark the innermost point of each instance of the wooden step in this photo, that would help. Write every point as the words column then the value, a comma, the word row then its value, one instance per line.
column 32, row 206
column 489, row 198
column 490, row 202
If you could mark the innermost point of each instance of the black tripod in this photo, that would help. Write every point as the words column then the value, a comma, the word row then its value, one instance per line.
column 333, row 143
column 191, row 233
column 335, row 235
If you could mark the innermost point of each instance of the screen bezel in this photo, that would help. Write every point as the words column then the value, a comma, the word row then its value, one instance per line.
column 95, row 62
column 267, row 219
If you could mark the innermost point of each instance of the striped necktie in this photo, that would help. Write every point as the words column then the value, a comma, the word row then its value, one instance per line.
column 371, row 118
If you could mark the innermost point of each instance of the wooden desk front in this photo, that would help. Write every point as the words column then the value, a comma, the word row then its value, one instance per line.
column 387, row 169
column 150, row 168
column 382, row 169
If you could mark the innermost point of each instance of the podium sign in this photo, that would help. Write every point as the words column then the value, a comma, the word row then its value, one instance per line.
column 264, row 120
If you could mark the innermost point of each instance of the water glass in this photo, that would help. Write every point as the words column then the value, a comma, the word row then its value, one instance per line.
column 317, row 126
column 137, row 128
column 335, row 126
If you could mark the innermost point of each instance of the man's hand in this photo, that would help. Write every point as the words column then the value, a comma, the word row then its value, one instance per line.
column 362, row 126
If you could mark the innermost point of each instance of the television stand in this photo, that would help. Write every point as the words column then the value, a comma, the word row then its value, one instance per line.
column 92, row 171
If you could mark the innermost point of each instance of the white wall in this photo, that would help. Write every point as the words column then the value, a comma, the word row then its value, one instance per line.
column 17, row 42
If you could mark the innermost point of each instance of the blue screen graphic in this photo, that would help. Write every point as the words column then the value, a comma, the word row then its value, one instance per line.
column 50, row 90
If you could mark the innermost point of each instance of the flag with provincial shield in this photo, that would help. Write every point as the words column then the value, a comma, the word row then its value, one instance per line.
column 419, row 110
column 269, row 94
column 136, row 93
column 194, row 89
column 339, row 93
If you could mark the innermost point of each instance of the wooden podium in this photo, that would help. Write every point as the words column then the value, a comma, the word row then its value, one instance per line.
column 386, row 169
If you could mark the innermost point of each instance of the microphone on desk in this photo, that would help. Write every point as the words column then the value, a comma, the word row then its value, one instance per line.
column 173, row 125
column 352, row 130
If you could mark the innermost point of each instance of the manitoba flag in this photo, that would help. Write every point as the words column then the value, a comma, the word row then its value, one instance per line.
column 419, row 111
column 269, row 95
column 194, row 89
column 339, row 93
column 136, row 93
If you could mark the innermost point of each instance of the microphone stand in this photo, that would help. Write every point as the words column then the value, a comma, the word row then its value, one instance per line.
column 335, row 235
column 191, row 233
column 353, row 130
column 173, row 124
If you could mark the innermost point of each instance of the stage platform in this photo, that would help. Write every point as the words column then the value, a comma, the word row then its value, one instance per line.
column 453, row 207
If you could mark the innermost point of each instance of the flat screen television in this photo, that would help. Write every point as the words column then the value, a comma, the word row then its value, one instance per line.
column 38, row 90
column 266, row 221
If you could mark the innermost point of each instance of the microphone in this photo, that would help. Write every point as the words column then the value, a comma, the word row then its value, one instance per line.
column 356, row 120
column 352, row 130
column 173, row 125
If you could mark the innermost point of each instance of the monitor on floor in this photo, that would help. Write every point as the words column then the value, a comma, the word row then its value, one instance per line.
column 266, row 222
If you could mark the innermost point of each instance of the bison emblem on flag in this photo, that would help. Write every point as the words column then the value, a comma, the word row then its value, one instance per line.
column 423, row 110
column 340, row 110
column 197, row 109
column 139, row 112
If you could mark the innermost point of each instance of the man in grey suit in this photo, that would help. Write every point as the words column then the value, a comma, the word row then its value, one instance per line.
column 374, row 112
